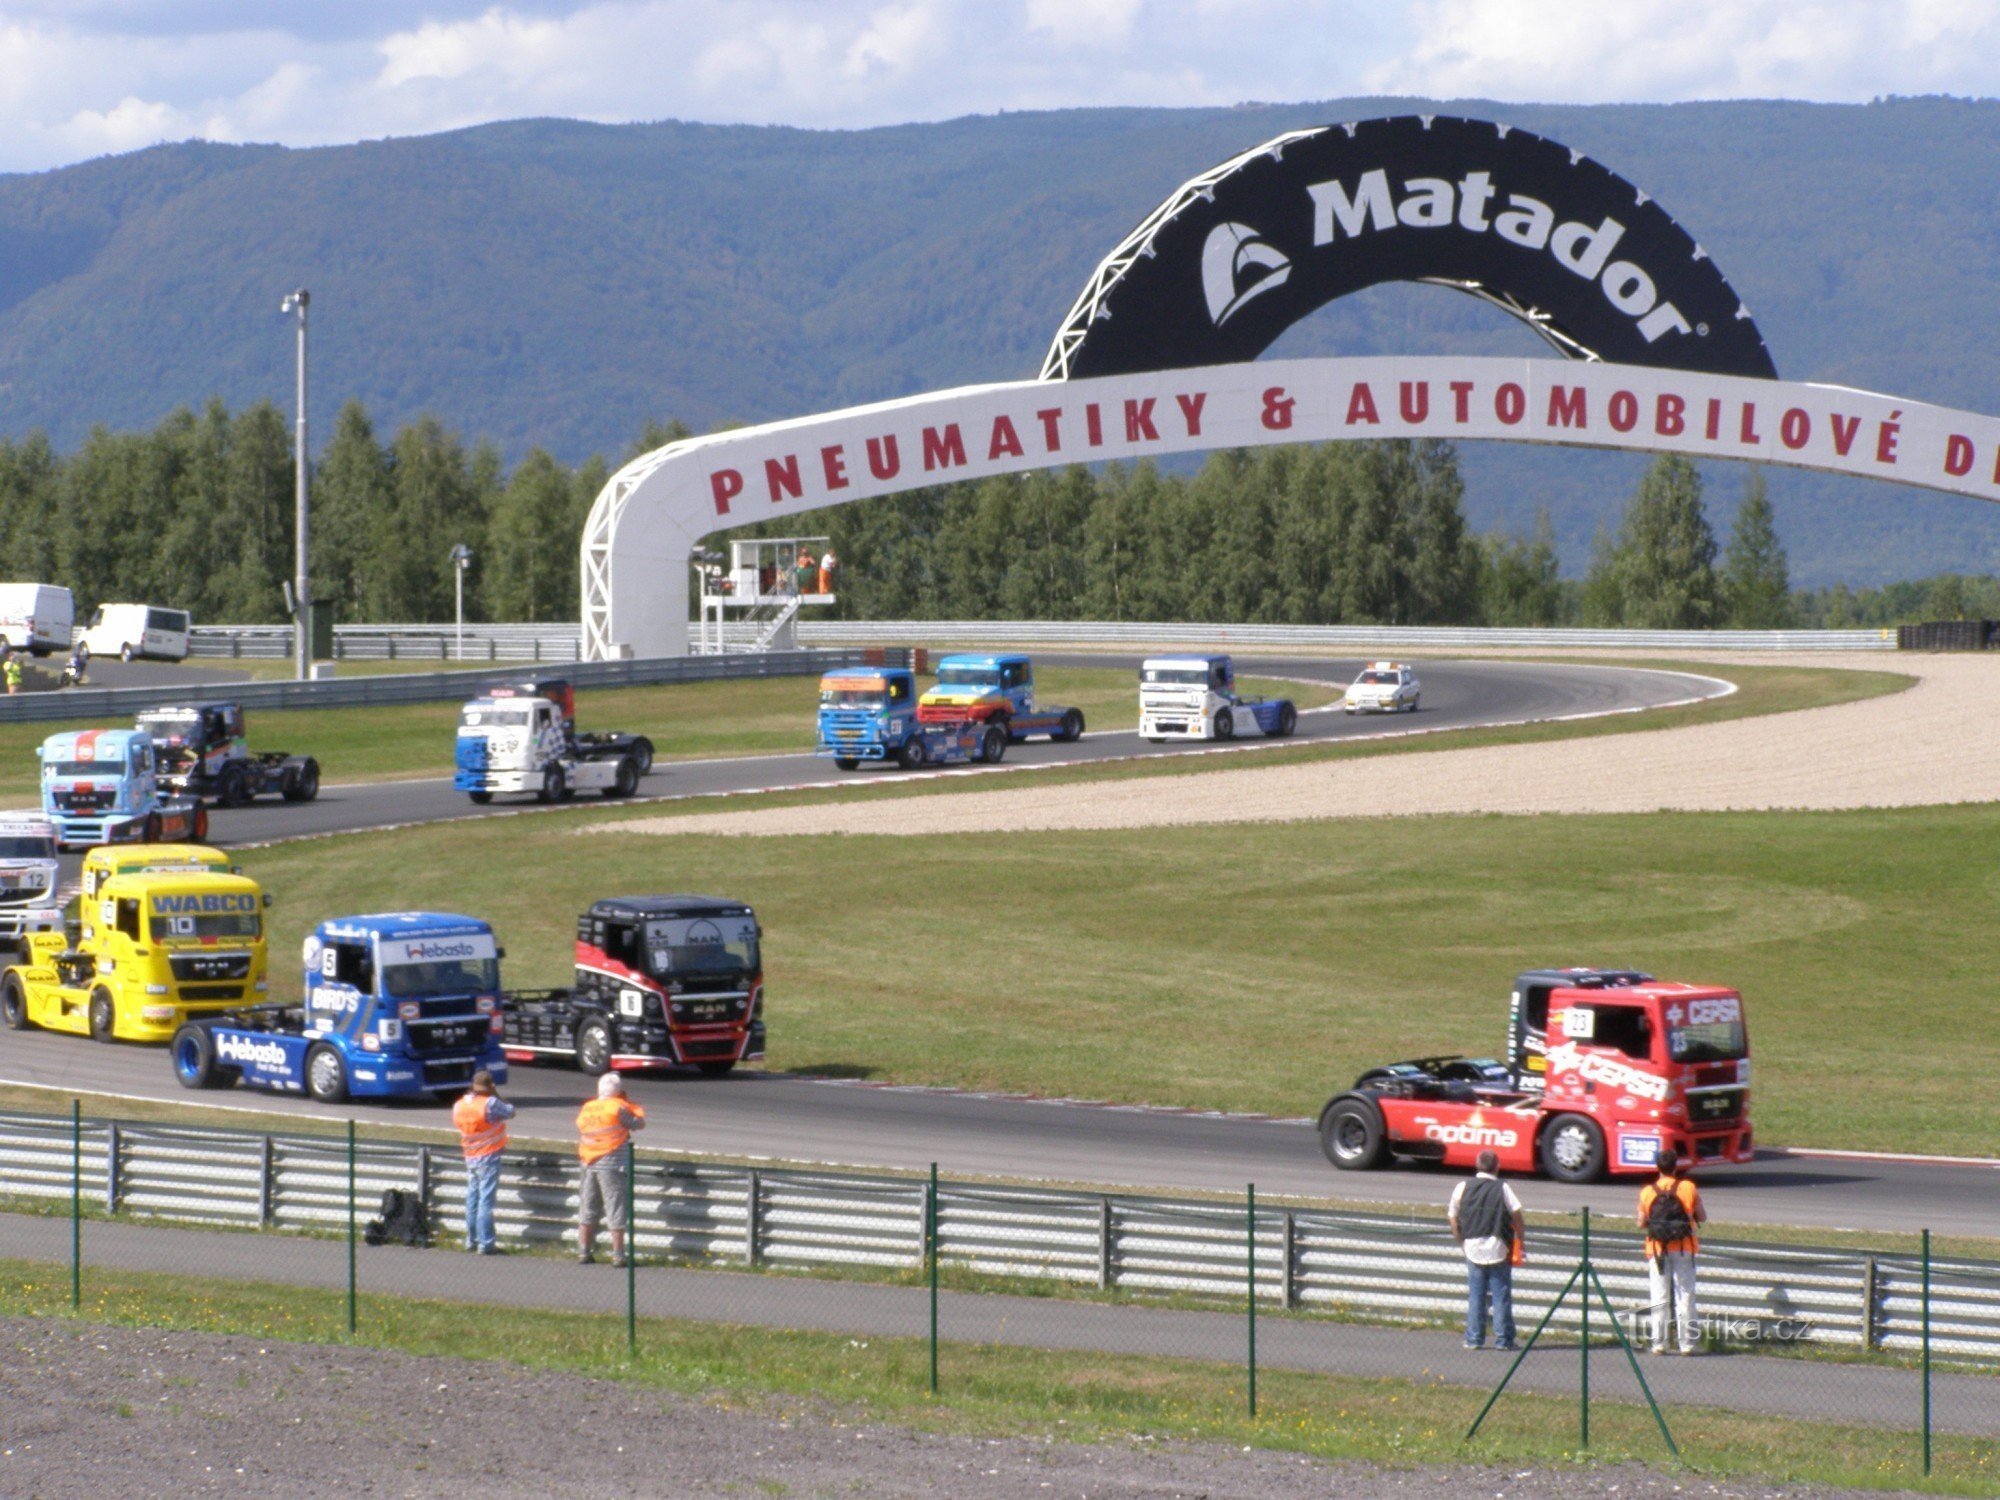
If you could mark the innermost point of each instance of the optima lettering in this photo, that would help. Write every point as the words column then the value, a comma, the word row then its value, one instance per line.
column 1471, row 1135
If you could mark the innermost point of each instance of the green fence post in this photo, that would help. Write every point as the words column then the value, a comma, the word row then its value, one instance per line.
column 1927, row 1351
column 1583, row 1341
column 931, row 1264
column 631, row 1249
column 75, row 1204
column 1250, row 1224
column 352, row 1269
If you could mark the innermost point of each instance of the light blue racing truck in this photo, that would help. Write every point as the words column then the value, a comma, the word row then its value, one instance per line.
column 396, row 1006
column 870, row 713
column 996, row 689
column 102, row 786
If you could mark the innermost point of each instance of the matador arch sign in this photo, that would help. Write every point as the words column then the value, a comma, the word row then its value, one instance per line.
column 1159, row 356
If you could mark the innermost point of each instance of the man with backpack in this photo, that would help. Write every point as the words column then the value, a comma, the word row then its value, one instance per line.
column 1486, row 1221
column 1670, row 1207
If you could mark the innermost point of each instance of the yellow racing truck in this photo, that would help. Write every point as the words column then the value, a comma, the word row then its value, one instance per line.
column 143, row 949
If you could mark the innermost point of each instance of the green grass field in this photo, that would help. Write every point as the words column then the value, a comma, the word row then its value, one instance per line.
column 999, row 1391
column 686, row 721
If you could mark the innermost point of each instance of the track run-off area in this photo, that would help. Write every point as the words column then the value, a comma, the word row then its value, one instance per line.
column 774, row 1116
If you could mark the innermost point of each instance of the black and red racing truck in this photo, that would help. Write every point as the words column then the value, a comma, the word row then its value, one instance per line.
column 660, row 981
column 1607, row 1067
column 201, row 750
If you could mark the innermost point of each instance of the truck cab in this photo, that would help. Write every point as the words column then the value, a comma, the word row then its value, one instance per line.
column 29, row 875
column 202, row 750
column 994, row 688
column 659, row 980
column 101, row 786
column 1194, row 698
column 140, row 954
column 870, row 713
column 524, row 739
column 396, row 1005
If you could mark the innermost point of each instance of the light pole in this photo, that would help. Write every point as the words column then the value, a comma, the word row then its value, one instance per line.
column 461, row 559
column 301, row 596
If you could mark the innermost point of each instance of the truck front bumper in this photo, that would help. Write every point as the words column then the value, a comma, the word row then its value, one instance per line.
column 377, row 1076
column 858, row 750
column 85, row 832
column 496, row 781
column 1172, row 725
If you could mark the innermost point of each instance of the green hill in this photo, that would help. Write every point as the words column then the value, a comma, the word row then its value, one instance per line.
column 556, row 283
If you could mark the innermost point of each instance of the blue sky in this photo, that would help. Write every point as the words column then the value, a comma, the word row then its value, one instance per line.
column 81, row 78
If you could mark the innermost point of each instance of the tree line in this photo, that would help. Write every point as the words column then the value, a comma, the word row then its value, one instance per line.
column 197, row 514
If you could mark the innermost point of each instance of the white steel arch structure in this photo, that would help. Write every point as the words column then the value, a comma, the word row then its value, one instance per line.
column 650, row 517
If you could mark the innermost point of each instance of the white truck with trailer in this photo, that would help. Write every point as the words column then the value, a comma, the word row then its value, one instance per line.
column 1194, row 698
column 524, row 739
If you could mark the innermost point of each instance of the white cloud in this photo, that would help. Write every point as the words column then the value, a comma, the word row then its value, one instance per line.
column 1083, row 23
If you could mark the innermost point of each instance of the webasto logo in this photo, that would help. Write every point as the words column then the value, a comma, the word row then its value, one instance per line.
column 1435, row 203
column 424, row 953
column 237, row 1049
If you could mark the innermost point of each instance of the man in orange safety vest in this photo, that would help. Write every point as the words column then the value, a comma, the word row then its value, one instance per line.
column 604, row 1129
column 481, row 1117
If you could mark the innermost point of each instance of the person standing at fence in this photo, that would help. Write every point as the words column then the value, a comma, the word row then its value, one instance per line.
column 1669, row 1208
column 604, row 1129
column 12, row 669
column 481, row 1117
column 827, row 563
column 1486, row 1220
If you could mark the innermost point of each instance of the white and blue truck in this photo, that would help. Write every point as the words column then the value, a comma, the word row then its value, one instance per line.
column 397, row 1005
column 1194, row 698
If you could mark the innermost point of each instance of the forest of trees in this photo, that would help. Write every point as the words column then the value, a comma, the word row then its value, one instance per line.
column 197, row 513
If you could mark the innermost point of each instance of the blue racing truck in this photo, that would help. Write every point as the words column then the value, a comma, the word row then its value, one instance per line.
column 396, row 1006
column 102, row 786
column 870, row 713
column 987, row 689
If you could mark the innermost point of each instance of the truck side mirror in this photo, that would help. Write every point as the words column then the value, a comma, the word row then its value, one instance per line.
column 499, row 952
column 269, row 900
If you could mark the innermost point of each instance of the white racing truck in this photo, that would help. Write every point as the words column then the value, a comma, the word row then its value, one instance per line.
column 524, row 739
column 1194, row 698
column 29, row 874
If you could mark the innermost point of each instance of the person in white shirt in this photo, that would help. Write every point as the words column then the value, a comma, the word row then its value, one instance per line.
column 1486, row 1220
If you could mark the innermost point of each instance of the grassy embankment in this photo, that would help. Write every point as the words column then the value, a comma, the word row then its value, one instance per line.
column 686, row 721
column 991, row 1390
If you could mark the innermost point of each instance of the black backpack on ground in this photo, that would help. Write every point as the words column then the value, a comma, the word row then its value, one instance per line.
column 1667, row 1217
column 403, row 1220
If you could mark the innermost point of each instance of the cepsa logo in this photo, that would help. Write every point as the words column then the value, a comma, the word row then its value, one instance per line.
column 1597, row 1068
column 189, row 905
column 1706, row 1012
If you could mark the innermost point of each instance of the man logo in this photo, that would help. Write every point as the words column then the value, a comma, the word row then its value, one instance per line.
column 1229, row 251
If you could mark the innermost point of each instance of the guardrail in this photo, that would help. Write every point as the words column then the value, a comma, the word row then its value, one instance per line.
column 414, row 643
column 1354, row 1265
column 118, row 705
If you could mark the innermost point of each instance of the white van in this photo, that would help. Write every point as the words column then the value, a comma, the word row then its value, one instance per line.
column 134, row 630
column 39, row 617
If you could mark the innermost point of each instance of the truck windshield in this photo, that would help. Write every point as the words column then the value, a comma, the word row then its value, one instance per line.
column 1378, row 678
column 15, row 847
column 1712, row 1032
column 161, row 726
column 109, row 769
column 459, row 976
column 209, row 925
column 871, row 698
column 967, row 677
column 702, row 945
column 1182, row 676
column 502, row 718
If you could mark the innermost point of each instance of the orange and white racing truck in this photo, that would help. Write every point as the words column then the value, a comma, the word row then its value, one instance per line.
column 1617, row 1067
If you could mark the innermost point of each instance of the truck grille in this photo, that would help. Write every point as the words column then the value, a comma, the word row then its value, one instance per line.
column 211, row 992
column 201, row 966
column 86, row 802
column 1713, row 1108
column 447, row 1036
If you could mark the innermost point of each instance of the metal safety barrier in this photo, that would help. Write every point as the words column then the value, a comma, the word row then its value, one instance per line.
column 1344, row 637
column 411, row 643
column 1354, row 1265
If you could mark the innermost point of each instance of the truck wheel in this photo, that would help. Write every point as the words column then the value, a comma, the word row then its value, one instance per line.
column 480, row 799
column 103, row 1014
column 304, row 785
column 717, row 1068
column 1413, row 703
column 626, row 781
column 1572, row 1149
column 993, row 745
column 1071, row 727
column 198, row 825
column 13, row 1003
column 593, row 1048
column 193, row 1052
column 642, row 754
column 1288, row 720
column 1225, row 725
column 554, row 785
column 326, row 1076
column 1352, row 1134
column 846, row 762
column 234, row 788
column 912, row 753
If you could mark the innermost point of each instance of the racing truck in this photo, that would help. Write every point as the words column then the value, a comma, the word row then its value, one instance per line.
column 141, row 953
column 201, row 751
column 29, row 872
column 396, row 1006
column 659, row 980
column 523, row 738
column 1194, row 698
column 1629, row 1068
column 870, row 713
column 102, row 786
column 997, row 690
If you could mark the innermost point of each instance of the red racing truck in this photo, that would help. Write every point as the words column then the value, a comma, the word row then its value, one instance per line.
column 1607, row 1068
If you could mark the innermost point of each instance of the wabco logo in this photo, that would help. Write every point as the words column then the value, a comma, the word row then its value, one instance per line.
column 425, row 953
column 190, row 904
column 1230, row 250
column 1435, row 203
column 236, row 1049
column 1470, row 1135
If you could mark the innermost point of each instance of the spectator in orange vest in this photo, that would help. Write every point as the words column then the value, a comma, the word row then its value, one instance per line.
column 1669, row 1208
column 808, row 570
column 481, row 1117
column 827, row 563
column 604, row 1129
